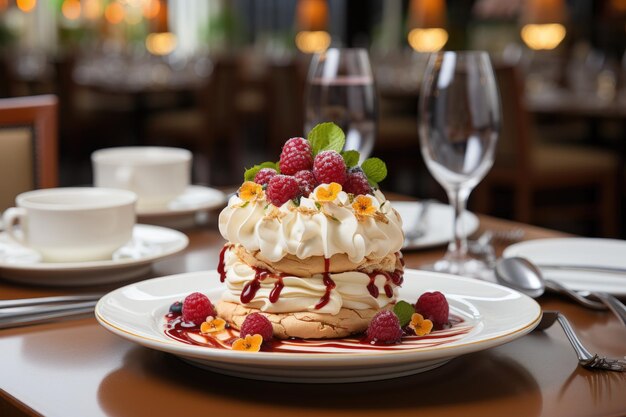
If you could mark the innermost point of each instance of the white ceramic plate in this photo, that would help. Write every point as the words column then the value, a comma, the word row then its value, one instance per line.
column 495, row 314
column 438, row 223
column 195, row 198
column 149, row 243
column 578, row 251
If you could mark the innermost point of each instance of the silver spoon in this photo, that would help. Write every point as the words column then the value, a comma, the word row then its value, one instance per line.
column 522, row 275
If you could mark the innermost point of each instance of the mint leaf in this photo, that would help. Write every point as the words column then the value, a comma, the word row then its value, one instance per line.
column 351, row 158
column 326, row 136
column 250, row 173
column 375, row 169
column 404, row 311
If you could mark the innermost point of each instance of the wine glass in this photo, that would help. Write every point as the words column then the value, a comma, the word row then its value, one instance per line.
column 459, row 120
column 340, row 89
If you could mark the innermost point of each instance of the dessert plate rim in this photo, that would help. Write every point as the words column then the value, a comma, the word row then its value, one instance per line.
column 212, row 198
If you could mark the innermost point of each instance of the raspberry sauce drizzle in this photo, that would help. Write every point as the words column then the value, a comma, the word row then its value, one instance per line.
column 250, row 289
column 220, row 264
column 328, row 282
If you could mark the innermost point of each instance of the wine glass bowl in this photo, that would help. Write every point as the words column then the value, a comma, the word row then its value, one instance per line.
column 340, row 89
column 459, row 121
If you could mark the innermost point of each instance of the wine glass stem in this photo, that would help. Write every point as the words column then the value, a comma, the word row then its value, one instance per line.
column 457, row 249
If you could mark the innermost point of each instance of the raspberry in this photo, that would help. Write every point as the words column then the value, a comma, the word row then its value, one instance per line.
column 257, row 323
column 434, row 307
column 296, row 156
column 357, row 183
column 384, row 328
column 196, row 308
column 264, row 175
column 281, row 189
column 306, row 181
column 328, row 167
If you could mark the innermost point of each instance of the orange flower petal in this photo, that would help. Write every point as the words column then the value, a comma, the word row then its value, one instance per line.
column 250, row 191
column 363, row 205
column 252, row 343
column 212, row 326
column 328, row 193
column 420, row 326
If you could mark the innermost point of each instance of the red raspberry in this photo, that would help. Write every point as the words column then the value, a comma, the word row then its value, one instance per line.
column 296, row 156
column 306, row 181
column 281, row 189
column 328, row 167
column 385, row 328
column 434, row 307
column 196, row 308
column 357, row 183
column 263, row 176
column 257, row 323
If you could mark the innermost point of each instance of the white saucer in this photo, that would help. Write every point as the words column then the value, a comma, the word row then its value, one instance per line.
column 492, row 315
column 196, row 198
column 438, row 223
column 608, row 253
column 149, row 243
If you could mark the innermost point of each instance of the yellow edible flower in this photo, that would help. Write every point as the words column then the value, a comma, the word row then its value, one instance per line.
column 420, row 326
column 363, row 205
column 327, row 193
column 250, row 191
column 213, row 325
column 252, row 343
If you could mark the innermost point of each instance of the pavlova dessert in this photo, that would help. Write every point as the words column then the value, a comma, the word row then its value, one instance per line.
column 312, row 252
column 312, row 243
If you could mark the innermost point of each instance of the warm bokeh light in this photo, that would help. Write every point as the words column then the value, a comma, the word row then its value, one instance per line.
column 427, row 14
column 543, row 37
column 311, row 42
column 151, row 9
column 92, row 9
column 26, row 5
column 312, row 15
column 427, row 40
column 4, row 4
column 133, row 16
column 161, row 43
column 114, row 13
column 71, row 9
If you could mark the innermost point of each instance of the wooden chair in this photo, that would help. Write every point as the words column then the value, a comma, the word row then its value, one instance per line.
column 28, row 146
column 528, row 166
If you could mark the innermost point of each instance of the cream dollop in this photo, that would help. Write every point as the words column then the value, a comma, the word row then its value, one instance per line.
column 314, row 228
column 303, row 294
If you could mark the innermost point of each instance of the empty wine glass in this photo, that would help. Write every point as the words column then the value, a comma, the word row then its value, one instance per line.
column 459, row 120
column 340, row 89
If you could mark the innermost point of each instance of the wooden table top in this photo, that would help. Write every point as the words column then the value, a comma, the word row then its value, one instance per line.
column 77, row 368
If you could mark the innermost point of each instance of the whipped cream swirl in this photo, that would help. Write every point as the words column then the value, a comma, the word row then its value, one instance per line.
column 303, row 294
column 313, row 228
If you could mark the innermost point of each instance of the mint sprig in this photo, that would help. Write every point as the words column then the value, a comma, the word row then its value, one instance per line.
column 375, row 170
column 404, row 311
column 250, row 173
column 325, row 137
column 351, row 158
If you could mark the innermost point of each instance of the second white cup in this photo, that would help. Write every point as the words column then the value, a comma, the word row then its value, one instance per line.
column 156, row 174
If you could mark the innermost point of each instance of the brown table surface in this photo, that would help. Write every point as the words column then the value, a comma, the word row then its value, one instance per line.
column 77, row 368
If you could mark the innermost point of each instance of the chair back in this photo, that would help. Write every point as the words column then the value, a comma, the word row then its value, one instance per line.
column 28, row 146
column 514, row 147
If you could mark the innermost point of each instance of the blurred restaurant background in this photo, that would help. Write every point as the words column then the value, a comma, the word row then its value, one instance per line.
column 226, row 80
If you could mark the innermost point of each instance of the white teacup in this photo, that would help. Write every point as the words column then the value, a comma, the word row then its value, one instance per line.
column 156, row 174
column 72, row 224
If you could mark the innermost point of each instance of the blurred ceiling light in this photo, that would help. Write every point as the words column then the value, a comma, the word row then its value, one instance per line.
column 114, row 13
column 26, row 6
column 428, row 40
column 543, row 37
column 312, row 15
column 71, row 9
column 311, row 42
column 543, row 24
column 151, row 9
column 92, row 9
column 427, row 20
column 161, row 43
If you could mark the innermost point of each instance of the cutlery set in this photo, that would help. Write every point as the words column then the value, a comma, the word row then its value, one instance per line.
column 14, row 313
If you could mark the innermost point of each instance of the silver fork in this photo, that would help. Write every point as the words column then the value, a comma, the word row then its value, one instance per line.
column 14, row 313
column 585, row 358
